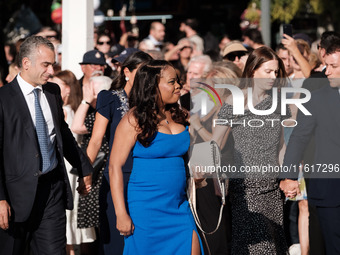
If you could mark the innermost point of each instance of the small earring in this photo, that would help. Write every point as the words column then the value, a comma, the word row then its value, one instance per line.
column 127, row 78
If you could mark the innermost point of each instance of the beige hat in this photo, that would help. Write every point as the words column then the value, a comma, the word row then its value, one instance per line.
column 232, row 47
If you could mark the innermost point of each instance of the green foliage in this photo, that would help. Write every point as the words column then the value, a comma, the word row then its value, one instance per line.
column 256, row 2
column 252, row 14
column 318, row 6
column 285, row 10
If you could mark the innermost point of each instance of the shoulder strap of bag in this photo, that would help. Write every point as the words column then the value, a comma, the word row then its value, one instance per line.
column 192, row 186
column 192, row 203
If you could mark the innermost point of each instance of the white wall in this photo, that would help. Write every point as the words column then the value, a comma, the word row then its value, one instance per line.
column 77, row 33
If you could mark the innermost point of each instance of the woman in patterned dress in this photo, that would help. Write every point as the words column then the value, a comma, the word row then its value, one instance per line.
column 111, row 107
column 88, row 206
column 70, row 91
column 257, row 204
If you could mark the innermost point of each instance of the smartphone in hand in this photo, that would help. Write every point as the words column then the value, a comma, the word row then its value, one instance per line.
column 288, row 29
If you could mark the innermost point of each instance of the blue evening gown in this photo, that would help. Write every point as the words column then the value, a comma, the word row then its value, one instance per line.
column 157, row 200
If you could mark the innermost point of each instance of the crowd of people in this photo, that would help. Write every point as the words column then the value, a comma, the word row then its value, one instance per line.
column 114, row 145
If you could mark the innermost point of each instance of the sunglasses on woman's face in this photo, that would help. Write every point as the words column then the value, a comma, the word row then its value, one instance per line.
column 105, row 42
column 232, row 56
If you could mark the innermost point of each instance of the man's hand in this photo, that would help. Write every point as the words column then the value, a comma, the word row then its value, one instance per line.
column 88, row 181
column 290, row 188
column 85, row 185
column 5, row 214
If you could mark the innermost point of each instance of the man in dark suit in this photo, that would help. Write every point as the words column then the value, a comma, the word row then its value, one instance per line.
column 324, row 185
column 316, row 81
column 34, row 139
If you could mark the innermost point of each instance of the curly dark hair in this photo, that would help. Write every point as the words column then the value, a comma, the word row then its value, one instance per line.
column 145, row 99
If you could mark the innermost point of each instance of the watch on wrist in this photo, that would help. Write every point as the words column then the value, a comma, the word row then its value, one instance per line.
column 85, row 102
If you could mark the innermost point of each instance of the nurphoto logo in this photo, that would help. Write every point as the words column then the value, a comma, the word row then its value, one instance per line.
column 207, row 94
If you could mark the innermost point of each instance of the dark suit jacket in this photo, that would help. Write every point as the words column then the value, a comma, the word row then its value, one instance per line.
column 325, row 123
column 19, row 149
column 316, row 81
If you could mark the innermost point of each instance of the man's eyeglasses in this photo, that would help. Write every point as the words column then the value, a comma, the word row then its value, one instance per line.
column 232, row 55
column 105, row 42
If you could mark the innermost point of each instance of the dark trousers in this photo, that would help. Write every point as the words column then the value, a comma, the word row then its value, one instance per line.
column 111, row 242
column 208, row 209
column 329, row 218
column 45, row 230
column 291, row 215
column 316, row 240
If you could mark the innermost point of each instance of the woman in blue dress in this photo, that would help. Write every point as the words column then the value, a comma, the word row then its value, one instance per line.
column 158, row 219
column 111, row 107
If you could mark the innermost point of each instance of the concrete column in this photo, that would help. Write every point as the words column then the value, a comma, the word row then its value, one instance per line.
column 77, row 33
column 265, row 22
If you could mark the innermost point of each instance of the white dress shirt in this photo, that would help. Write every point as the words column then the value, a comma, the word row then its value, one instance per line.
column 27, row 90
column 154, row 41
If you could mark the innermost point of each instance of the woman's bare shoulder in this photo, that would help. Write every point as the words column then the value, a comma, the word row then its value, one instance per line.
column 129, row 121
column 229, row 100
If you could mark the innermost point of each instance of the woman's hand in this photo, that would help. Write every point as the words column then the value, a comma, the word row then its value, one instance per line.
column 195, row 121
column 292, row 47
column 290, row 188
column 85, row 185
column 125, row 225
column 88, row 93
column 125, row 139
column 289, row 43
